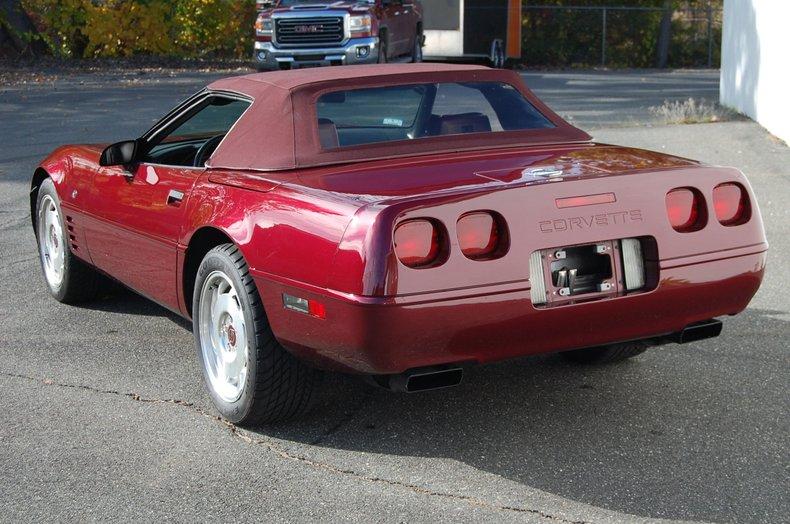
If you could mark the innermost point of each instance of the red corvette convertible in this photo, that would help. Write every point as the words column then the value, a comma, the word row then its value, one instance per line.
column 394, row 221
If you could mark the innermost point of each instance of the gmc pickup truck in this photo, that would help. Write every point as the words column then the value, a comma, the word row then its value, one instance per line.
column 297, row 33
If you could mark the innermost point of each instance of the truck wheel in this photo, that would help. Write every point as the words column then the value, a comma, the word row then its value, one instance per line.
column 416, row 54
column 382, row 59
column 68, row 278
column 250, row 377
column 606, row 354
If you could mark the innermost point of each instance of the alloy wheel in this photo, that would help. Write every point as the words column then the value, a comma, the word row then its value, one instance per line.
column 223, row 336
column 51, row 244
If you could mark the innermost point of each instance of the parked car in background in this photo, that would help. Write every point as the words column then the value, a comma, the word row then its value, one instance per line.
column 298, row 33
column 397, row 222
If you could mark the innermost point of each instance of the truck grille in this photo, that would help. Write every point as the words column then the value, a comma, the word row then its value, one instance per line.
column 318, row 30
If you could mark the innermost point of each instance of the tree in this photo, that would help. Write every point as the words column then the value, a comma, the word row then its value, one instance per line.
column 17, row 31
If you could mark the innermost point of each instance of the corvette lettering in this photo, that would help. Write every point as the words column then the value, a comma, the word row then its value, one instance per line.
column 590, row 221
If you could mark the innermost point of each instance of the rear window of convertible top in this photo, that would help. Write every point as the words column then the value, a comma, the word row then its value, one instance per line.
column 407, row 112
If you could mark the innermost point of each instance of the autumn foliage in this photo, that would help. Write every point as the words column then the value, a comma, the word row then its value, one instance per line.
column 111, row 28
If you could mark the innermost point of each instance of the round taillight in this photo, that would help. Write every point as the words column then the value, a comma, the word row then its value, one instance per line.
column 685, row 210
column 417, row 243
column 730, row 203
column 480, row 235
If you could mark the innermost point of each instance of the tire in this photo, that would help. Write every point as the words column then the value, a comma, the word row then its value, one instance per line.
column 416, row 53
column 69, row 279
column 261, row 382
column 606, row 354
column 382, row 58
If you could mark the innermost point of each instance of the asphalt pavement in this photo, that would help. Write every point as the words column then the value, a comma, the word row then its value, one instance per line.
column 105, row 417
column 600, row 99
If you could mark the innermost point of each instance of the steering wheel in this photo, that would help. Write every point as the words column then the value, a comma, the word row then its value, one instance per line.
column 206, row 150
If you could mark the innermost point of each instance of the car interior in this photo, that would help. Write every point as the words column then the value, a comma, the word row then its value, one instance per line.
column 191, row 140
column 344, row 118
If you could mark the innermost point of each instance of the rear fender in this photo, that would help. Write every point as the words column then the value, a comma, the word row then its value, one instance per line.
column 285, row 235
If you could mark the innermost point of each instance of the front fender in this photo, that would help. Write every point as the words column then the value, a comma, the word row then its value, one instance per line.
column 71, row 168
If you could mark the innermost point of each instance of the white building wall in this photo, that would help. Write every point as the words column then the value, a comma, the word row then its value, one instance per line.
column 755, row 62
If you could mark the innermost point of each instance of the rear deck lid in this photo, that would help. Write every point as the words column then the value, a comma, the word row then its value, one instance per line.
column 481, row 171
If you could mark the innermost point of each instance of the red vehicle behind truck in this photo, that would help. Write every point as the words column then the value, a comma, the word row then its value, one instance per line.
column 298, row 33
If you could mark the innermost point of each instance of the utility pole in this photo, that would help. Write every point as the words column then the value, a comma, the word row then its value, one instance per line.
column 664, row 35
column 603, row 37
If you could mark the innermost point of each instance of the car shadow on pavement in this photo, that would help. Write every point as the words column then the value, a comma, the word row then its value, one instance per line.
column 120, row 299
column 691, row 431
column 674, row 433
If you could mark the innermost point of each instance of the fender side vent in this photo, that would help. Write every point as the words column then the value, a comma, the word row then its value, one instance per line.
column 72, row 233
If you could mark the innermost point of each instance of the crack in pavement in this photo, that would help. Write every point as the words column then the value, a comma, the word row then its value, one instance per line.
column 10, row 263
column 15, row 224
column 347, row 417
column 301, row 459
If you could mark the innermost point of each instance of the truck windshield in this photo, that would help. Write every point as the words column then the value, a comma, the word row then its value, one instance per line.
column 407, row 112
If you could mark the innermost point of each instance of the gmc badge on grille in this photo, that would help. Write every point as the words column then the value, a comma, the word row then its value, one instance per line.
column 306, row 29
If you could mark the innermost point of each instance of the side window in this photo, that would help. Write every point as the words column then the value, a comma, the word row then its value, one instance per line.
column 191, row 140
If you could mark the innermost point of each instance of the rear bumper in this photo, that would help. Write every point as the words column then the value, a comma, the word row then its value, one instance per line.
column 354, row 51
column 392, row 335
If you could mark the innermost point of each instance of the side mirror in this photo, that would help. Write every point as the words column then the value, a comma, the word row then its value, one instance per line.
column 119, row 154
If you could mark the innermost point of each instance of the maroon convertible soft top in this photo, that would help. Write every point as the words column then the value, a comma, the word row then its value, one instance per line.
column 280, row 130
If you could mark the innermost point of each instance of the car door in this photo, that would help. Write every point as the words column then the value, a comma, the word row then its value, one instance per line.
column 138, row 210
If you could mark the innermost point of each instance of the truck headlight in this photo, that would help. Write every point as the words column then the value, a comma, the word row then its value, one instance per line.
column 360, row 25
column 264, row 25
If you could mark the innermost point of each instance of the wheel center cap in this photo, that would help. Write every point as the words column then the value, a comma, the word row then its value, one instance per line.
column 53, row 236
column 231, row 333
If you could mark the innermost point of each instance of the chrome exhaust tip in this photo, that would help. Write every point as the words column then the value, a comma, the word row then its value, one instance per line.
column 698, row 331
column 421, row 379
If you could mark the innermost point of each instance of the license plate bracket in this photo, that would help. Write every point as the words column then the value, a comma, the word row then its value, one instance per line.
column 582, row 272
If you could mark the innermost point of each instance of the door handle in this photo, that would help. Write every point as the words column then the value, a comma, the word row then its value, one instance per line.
column 116, row 171
column 174, row 198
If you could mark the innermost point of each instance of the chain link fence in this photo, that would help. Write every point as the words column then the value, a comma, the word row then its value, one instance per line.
column 619, row 36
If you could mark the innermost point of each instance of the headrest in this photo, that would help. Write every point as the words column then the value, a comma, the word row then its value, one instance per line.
column 327, row 133
column 464, row 123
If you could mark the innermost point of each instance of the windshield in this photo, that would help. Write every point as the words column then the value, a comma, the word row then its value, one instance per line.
column 382, row 114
